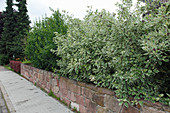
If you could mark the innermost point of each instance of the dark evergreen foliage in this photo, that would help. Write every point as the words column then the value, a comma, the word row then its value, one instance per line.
column 22, row 18
column 1, row 23
column 21, row 28
column 16, row 24
column 8, row 30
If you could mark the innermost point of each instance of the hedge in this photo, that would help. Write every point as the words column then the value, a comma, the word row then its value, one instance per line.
column 125, row 52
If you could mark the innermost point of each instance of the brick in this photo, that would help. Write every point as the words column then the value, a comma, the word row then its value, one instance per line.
column 58, row 82
column 29, row 75
column 82, row 109
column 43, row 78
column 157, row 105
column 38, row 83
column 98, row 99
column 147, row 103
column 91, row 86
column 47, row 77
column 112, row 103
column 92, row 107
column 31, row 71
column 87, row 93
column 64, row 92
column 37, row 70
column 166, row 108
column 74, row 88
column 68, row 94
column 109, row 111
column 48, row 87
column 67, row 101
column 80, row 100
column 43, row 86
column 71, row 81
column 54, row 82
column 41, row 71
column 31, row 79
column 36, row 75
column 45, row 72
column 105, row 91
column 26, row 74
column 70, row 86
column 63, row 83
column 81, row 84
column 60, row 95
column 73, row 97
column 56, row 90
column 150, row 110
column 87, row 102
column 34, row 80
column 27, row 67
column 100, row 109
column 130, row 109
column 81, row 90
column 40, row 76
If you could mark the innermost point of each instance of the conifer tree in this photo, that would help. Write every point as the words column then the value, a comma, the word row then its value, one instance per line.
column 1, row 24
column 22, row 17
column 22, row 26
column 6, row 42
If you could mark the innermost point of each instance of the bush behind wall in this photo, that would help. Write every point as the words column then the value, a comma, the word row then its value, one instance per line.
column 124, row 52
column 40, row 41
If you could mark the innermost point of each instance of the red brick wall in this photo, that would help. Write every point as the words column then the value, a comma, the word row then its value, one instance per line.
column 87, row 98
column 15, row 65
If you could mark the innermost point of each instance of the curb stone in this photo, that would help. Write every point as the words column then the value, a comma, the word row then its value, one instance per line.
column 6, row 99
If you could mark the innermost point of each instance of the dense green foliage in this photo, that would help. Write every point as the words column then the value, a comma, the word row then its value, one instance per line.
column 15, row 27
column 124, row 52
column 3, row 59
column 21, row 28
column 8, row 30
column 1, row 24
column 40, row 41
column 22, row 18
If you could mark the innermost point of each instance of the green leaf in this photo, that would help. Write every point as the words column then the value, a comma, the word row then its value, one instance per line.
column 166, row 60
column 161, row 95
column 120, row 103
column 141, row 103
column 126, row 104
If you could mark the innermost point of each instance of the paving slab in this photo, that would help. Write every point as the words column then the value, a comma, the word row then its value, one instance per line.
column 24, row 97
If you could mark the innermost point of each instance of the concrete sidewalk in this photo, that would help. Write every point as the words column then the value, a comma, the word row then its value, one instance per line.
column 22, row 96
column 3, row 108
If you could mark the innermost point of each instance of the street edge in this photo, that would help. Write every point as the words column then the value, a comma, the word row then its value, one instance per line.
column 7, row 99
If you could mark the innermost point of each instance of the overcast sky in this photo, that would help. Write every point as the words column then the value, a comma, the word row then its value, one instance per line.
column 38, row 8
